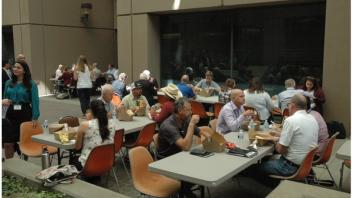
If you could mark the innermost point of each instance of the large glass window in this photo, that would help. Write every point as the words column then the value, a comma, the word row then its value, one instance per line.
column 274, row 43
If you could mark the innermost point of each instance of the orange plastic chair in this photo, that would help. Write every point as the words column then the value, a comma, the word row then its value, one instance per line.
column 162, row 99
column 118, row 142
column 116, row 100
column 71, row 121
column 100, row 161
column 326, row 154
column 198, row 109
column 217, row 108
column 27, row 146
column 144, row 138
column 146, row 182
column 303, row 170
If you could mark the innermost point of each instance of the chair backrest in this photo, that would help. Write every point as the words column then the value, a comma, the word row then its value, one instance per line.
column 145, row 137
column 116, row 100
column 213, row 123
column 286, row 112
column 162, row 99
column 71, row 121
column 100, row 161
column 140, row 158
column 217, row 108
column 118, row 139
column 27, row 130
column 304, row 169
column 198, row 109
column 325, row 155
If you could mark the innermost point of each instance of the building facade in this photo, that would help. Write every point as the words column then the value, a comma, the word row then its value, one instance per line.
column 274, row 39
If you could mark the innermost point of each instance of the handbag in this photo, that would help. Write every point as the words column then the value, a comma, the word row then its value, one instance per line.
column 57, row 175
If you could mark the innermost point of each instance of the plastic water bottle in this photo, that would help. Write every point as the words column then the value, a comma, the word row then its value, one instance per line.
column 45, row 158
column 240, row 139
column 266, row 125
column 46, row 127
column 114, row 118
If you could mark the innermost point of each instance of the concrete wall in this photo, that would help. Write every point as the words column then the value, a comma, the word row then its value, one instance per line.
column 337, row 65
column 50, row 32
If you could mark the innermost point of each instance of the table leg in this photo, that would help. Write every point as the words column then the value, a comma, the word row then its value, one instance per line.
column 341, row 176
column 58, row 156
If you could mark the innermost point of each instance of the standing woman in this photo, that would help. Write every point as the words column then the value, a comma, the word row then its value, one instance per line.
column 82, row 74
column 21, row 98
column 315, row 93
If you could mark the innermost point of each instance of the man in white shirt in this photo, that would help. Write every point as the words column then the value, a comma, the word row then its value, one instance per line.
column 232, row 113
column 285, row 96
column 298, row 136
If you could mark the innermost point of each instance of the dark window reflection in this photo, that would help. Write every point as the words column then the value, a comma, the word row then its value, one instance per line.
column 274, row 43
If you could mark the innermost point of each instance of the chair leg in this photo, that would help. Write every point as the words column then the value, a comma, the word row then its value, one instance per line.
column 208, row 190
column 117, row 183
column 124, row 165
column 341, row 176
column 327, row 168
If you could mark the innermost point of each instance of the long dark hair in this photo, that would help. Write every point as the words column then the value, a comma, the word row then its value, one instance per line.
column 255, row 84
column 27, row 76
column 99, row 112
column 313, row 80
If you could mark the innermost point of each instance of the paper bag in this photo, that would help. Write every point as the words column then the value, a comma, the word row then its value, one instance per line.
column 65, row 136
column 263, row 138
column 125, row 115
column 141, row 108
column 215, row 143
column 206, row 92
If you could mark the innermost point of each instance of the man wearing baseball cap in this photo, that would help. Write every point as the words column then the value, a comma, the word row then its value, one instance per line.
column 133, row 100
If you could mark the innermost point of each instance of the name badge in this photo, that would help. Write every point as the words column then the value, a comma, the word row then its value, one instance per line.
column 17, row 107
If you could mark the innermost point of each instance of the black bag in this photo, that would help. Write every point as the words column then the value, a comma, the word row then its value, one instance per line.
column 335, row 126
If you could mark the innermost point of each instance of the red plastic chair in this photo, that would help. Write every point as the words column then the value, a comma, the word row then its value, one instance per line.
column 118, row 142
column 144, row 138
column 198, row 109
column 303, row 170
column 325, row 156
column 100, row 161
column 217, row 108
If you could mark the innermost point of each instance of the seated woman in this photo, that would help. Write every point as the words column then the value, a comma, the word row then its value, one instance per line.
column 256, row 97
column 94, row 132
column 172, row 93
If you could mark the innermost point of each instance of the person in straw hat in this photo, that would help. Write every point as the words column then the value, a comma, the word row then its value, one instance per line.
column 172, row 93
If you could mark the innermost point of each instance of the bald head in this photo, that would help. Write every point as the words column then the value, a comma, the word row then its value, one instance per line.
column 237, row 97
column 185, row 78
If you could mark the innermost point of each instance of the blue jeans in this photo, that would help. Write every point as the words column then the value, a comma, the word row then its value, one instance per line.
column 277, row 167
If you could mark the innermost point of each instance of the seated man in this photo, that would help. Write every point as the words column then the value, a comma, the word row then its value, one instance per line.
column 323, row 135
column 285, row 96
column 106, row 96
column 208, row 83
column 232, row 113
column 299, row 134
column 185, row 87
column 134, row 100
column 176, row 132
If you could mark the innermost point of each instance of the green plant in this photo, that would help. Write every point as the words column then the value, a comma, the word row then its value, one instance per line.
column 13, row 187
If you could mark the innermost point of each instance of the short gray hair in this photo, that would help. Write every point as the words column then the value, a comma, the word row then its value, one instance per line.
column 180, row 103
column 105, row 88
column 290, row 83
column 143, row 76
column 300, row 101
